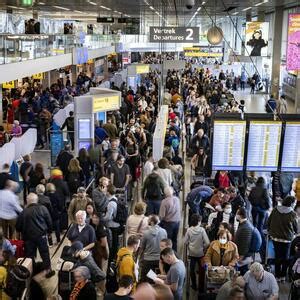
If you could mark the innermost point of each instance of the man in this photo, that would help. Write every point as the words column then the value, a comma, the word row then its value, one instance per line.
column 150, row 246
column 42, row 198
column 125, row 261
column 120, row 173
column 63, row 159
column 114, row 146
column 125, row 288
column 69, row 123
column 99, row 195
column 200, row 163
column 9, row 208
column 235, row 199
column 200, row 140
column 170, row 216
column 148, row 166
column 225, row 290
column 243, row 239
column 260, row 284
column 271, row 105
column 111, row 129
column 176, row 275
column 34, row 223
column 79, row 202
column 4, row 176
column 26, row 170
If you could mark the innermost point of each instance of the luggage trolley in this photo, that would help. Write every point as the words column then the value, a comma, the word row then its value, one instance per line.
column 269, row 250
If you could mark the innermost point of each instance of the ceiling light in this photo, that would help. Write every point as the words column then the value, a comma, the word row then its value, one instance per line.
column 203, row 2
column 199, row 8
column 80, row 12
column 15, row 7
column 260, row 3
column 235, row 13
column 247, row 8
column 104, row 7
column 60, row 7
column 93, row 3
column 42, row 3
column 151, row 7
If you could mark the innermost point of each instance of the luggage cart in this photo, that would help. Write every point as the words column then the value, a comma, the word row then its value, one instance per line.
column 270, row 252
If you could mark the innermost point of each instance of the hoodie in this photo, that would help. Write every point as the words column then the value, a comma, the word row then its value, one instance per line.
column 197, row 241
column 282, row 224
column 125, row 263
column 150, row 242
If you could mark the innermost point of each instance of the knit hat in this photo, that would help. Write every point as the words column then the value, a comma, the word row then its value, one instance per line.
column 76, row 246
column 56, row 172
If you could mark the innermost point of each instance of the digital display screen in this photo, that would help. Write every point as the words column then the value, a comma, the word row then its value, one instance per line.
column 228, row 145
column 84, row 129
column 263, row 146
column 86, row 145
column 291, row 148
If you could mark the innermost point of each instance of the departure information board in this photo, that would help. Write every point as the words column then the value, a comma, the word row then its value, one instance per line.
column 228, row 145
column 291, row 148
column 263, row 146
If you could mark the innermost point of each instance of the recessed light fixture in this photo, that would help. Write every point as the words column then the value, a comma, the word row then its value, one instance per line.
column 104, row 7
column 247, row 8
column 235, row 13
column 151, row 7
column 199, row 8
column 260, row 3
column 60, row 7
column 15, row 7
column 42, row 3
column 93, row 3
column 203, row 2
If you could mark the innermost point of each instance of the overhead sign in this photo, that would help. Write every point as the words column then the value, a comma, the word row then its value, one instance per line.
column 174, row 34
column 293, row 47
column 8, row 85
column 106, row 103
column 142, row 69
column 39, row 76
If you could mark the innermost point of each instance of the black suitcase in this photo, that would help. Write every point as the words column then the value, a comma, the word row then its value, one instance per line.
column 65, row 280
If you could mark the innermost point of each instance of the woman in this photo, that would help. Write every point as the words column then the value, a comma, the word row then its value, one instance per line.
column 137, row 223
column 84, row 288
column 57, row 210
column 222, row 180
column 75, row 176
column 101, row 249
column 36, row 177
column 222, row 252
column 164, row 171
column 282, row 105
column 200, row 163
column 282, row 226
column 132, row 157
column 85, row 164
column 90, row 210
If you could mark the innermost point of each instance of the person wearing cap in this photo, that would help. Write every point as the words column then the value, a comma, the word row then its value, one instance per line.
column 79, row 202
column 120, row 173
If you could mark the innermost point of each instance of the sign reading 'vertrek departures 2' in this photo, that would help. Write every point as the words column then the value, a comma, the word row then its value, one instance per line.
column 174, row 34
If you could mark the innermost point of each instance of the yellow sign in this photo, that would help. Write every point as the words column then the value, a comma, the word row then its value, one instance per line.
column 106, row 103
column 39, row 76
column 142, row 69
column 202, row 54
column 8, row 85
column 90, row 61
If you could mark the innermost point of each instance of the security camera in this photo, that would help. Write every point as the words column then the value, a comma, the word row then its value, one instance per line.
column 190, row 4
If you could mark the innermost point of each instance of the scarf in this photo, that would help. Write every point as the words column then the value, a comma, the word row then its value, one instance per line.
column 77, row 288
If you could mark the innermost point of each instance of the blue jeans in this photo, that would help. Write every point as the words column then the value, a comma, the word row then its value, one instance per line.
column 153, row 207
column 172, row 229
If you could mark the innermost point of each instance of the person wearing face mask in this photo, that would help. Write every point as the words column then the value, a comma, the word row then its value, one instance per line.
column 222, row 252
column 282, row 226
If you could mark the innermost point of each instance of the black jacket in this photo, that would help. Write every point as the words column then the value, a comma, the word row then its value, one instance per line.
column 62, row 189
column 259, row 197
column 88, row 292
column 63, row 160
column 34, row 222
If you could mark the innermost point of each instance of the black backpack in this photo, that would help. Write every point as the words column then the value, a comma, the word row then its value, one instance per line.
column 16, row 281
column 154, row 191
column 122, row 211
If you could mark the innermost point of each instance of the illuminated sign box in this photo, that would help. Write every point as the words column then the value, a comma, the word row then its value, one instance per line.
column 106, row 103
column 142, row 69
column 39, row 76
column 8, row 85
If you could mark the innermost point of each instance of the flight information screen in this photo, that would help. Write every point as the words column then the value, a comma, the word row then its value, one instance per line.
column 263, row 146
column 228, row 145
column 291, row 148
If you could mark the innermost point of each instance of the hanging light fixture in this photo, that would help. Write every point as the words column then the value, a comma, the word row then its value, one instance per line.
column 215, row 33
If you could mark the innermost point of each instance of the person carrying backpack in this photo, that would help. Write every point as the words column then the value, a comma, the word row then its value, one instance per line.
column 153, row 193
column 247, row 239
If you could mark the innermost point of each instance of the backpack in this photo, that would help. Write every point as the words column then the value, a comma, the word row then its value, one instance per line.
column 256, row 241
column 65, row 279
column 122, row 211
column 16, row 281
column 154, row 191
column 73, row 181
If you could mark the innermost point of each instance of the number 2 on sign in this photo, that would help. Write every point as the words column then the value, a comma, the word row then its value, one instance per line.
column 190, row 32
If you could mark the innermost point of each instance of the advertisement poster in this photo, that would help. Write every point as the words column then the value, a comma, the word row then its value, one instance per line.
column 293, row 48
column 257, row 35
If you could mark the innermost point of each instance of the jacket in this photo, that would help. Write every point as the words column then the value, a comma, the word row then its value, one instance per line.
column 282, row 224
column 197, row 241
column 125, row 263
column 87, row 292
column 62, row 190
column 45, row 200
column 149, row 192
column 213, row 255
column 77, row 204
column 63, row 160
column 150, row 242
column 100, row 200
column 243, row 238
column 259, row 197
column 34, row 222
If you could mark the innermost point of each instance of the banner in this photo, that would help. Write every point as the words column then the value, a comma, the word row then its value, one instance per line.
column 257, row 35
column 293, row 47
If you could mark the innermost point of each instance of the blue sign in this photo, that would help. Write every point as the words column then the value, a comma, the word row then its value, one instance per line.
column 56, row 145
column 81, row 55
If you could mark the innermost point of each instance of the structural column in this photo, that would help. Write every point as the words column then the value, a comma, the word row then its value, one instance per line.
column 276, row 60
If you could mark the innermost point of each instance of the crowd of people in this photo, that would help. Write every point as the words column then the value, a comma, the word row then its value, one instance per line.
column 122, row 235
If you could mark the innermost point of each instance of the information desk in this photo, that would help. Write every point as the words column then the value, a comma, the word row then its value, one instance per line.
column 228, row 145
column 291, row 148
column 264, row 146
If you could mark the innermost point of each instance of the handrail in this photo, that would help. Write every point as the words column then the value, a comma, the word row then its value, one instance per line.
column 90, row 184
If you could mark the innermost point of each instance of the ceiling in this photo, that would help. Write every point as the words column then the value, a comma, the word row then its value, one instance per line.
column 167, row 9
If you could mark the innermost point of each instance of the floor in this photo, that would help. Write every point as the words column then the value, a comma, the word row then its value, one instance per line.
column 254, row 104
